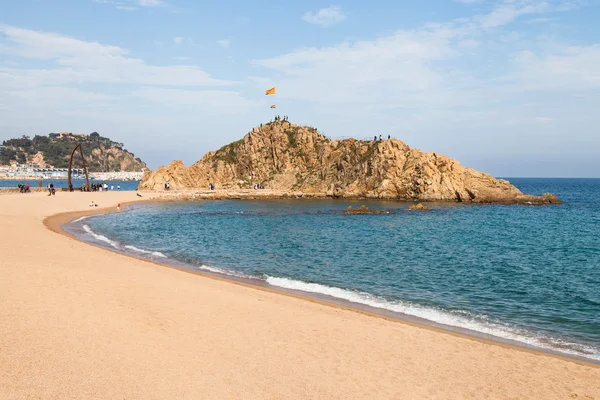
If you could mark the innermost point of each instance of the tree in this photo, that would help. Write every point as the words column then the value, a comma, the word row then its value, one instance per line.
column 95, row 135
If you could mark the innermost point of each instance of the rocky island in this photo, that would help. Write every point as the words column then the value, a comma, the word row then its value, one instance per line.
column 287, row 158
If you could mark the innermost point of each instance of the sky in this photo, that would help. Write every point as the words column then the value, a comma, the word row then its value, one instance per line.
column 509, row 87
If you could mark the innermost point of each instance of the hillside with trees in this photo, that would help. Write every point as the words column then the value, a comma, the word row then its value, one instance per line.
column 101, row 153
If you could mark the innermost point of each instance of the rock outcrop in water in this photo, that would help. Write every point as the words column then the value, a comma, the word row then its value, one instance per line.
column 288, row 157
column 419, row 207
column 364, row 210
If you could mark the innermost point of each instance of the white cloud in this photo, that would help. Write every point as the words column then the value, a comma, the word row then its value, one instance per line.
column 178, row 40
column 325, row 16
column 150, row 3
column 226, row 102
column 573, row 68
column 542, row 20
column 510, row 10
column 506, row 13
column 70, row 60
column 365, row 71
column 132, row 5
column 225, row 43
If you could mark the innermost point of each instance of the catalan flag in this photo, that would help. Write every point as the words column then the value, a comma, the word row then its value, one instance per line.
column 270, row 91
column 273, row 106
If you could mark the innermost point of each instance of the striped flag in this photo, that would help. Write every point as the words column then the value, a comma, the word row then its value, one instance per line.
column 270, row 91
column 273, row 106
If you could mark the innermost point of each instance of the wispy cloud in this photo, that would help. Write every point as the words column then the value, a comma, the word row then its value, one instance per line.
column 325, row 16
column 178, row 40
column 510, row 10
column 542, row 20
column 150, row 3
column 225, row 43
column 132, row 5
column 78, row 61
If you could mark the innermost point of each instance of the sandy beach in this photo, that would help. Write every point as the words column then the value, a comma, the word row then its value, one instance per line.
column 78, row 321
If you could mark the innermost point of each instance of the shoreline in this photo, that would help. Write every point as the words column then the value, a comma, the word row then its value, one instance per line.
column 58, row 222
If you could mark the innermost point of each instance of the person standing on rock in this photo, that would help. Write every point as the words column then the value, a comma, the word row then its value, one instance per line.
column 379, row 137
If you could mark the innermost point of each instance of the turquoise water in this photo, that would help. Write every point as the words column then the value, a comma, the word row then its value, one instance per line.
column 62, row 183
column 524, row 273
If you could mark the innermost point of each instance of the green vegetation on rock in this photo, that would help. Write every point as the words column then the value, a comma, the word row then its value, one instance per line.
column 101, row 153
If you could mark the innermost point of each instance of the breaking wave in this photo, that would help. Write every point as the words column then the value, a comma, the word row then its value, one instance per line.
column 463, row 320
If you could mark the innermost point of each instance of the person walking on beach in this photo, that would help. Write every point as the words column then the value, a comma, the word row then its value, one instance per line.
column 119, row 207
column 49, row 190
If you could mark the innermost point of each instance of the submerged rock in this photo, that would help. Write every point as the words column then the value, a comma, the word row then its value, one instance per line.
column 364, row 210
column 297, row 159
column 419, row 207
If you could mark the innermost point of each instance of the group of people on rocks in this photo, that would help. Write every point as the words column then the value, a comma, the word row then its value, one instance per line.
column 276, row 119
column 258, row 187
column 168, row 186
column 380, row 138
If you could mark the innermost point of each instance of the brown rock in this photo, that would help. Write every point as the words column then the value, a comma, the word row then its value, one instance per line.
column 291, row 158
column 364, row 210
column 419, row 207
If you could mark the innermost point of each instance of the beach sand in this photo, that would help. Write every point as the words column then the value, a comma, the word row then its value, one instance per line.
column 78, row 321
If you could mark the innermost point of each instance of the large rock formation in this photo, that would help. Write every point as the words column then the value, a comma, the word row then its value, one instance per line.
column 288, row 157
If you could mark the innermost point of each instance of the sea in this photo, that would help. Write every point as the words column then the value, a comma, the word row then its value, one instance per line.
column 62, row 183
column 527, row 275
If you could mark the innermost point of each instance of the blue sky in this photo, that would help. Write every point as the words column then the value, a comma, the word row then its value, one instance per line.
column 510, row 87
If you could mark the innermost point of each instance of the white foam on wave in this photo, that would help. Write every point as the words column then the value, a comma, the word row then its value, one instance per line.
column 150, row 252
column 116, row 245
column 80, row 219
column 464, row 320
column 222, row 271
column 99, row 237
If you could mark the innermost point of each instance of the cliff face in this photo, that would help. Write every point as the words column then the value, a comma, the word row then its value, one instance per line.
column 288, row 157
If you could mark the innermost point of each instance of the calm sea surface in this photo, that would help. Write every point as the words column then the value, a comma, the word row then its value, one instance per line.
column 62, row 183
column 524, row 273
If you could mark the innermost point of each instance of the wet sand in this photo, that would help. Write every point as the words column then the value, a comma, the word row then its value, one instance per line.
column 78, row 321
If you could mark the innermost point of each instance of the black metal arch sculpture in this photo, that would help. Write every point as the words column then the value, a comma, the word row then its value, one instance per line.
column 87, row 179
